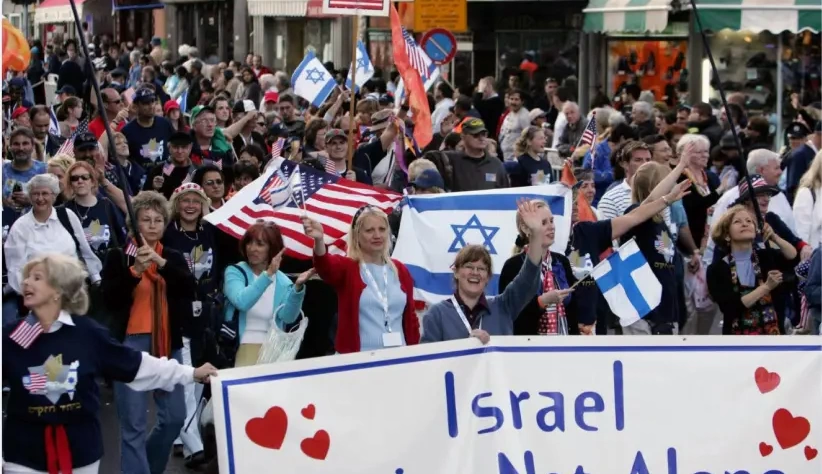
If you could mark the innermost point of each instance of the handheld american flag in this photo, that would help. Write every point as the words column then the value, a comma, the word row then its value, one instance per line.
column 328, row 199
column 589, row 134
column 27, row 331
column 68, row 146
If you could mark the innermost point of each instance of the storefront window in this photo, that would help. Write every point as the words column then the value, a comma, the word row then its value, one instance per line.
column 746, row 63
column 656, row 65
column 554, row 51
column 801, row 72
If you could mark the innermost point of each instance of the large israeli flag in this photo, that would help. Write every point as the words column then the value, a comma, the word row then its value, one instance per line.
column 628, row 284
column 312, row 81
column 435, row 227
column 365, row 70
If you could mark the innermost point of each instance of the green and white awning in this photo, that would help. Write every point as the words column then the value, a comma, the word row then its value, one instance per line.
column 635, row 16
column 760, row 15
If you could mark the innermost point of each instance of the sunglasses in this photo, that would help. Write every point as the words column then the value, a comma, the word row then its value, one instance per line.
column 214, row 182
column 78, row 177
column 261, row 124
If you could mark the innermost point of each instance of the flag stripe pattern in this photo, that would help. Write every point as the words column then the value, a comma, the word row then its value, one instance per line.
column 36, row 383
column 589, row 134
column 26, row 332
column 277, row 148
column 131, row 248
column 414, row 53
column 68, row 146
column 330, row 167
column 757, row 182
column 328, row 199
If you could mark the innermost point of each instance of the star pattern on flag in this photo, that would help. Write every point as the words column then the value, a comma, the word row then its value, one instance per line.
column 488, row 233
column 315, row 75
column 363, row 65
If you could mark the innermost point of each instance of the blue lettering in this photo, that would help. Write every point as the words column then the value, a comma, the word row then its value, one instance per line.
column 516, row 412
column 558, row 410
column 639, row 466
column 581, row 408
column 774, row 471
column 451, row 405
column 619, row 396
column 738, row 472
column 672, row 467
column 487, row 412
column 505, row 466
column 580, row 470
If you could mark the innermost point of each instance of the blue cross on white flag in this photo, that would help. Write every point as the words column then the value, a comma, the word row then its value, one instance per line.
column 312, row 81
column 182, row 101
column 435, row 227
column 628, row 284
column 365, row 70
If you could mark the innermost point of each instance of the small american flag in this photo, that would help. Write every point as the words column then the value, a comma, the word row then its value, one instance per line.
column 415, row 54
column 757, row 181
column 131, row 248
column 589, row 134
column 68, row 146
column 327, row 198
column 168, row 168
column 27, row 331
column 219, row 164
column 275, row 185
column 330, row 167
column 277, row 148
column 36, row 383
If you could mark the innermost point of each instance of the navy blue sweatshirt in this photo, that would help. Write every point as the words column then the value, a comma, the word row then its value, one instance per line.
column 53, row 383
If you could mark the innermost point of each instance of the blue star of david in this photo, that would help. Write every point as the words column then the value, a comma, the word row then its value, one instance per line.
column 362, row 64
column 315, row 75
column 488, row 233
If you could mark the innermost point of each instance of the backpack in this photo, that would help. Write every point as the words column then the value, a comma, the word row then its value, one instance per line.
column 221, row 340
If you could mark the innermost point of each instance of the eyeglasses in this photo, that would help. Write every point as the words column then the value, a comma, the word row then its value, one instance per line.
column 42, row 194
column 214, row 182
column 78, row 177
column 475, row 269
column 261, row 124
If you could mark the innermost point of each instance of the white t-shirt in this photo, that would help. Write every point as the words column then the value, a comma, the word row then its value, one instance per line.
column 258, row 319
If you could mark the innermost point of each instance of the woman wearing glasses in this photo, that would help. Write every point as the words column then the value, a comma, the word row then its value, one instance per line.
column 375, row 294
column 212, row 180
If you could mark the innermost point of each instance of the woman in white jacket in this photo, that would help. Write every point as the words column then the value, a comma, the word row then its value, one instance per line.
column 807, row 206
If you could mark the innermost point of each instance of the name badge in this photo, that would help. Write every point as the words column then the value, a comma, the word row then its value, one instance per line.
column 490, row 177
column 391, row 339
column 196, row 308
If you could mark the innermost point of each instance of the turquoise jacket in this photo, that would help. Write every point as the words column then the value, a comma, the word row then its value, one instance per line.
column 241, row 296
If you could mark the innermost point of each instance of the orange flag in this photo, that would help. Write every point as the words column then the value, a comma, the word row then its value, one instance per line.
column 585, row 213
column 417, row 97
column 567, row 177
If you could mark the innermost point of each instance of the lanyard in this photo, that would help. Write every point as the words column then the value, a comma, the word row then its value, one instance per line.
column 383, row 297
column 458, row 307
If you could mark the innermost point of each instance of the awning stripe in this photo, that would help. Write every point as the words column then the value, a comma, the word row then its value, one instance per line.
column 626, row 15
column 56, row 11
column 287, row 8
column 760, row 15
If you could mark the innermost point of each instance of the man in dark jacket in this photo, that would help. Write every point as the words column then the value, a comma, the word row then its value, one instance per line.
column 801, row 158
column 706, row 123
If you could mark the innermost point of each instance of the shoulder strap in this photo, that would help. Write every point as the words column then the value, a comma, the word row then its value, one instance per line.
column 242, row 272
column 62, row 216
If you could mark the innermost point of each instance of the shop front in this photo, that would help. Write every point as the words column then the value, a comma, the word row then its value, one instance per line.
column 205, row 25
column 56, row 20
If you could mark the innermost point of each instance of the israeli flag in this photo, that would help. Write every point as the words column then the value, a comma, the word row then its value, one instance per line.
column 183, row 101
column 365, row 70
column 428, row 80
column 312, row 81
column 435, row 227
column 628, row 283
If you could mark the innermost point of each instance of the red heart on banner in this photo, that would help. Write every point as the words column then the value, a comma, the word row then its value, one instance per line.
column 765, row 449
column 789, row 430
column 268, row 431
column 318, row 446
column 810, row 453
column 309, row 411
column 766, row 381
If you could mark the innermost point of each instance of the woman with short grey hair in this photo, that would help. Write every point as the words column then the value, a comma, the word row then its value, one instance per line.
column 46, row 229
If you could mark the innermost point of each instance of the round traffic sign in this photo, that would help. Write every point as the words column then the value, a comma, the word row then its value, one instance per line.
column 440, row 45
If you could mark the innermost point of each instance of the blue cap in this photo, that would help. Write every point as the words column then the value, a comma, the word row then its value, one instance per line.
column 144, row 95
column 277, row 130
column 67, row 89
column 17, row 82
column 428, row 179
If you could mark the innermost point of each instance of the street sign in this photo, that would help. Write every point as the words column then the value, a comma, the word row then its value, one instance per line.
column 440, row 45
column 451, row 15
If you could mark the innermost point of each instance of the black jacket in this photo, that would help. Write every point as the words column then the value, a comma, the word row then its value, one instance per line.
column 118, row 286
column 711, row 128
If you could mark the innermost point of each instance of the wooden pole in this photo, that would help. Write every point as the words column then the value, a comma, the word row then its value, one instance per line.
column 352, row 114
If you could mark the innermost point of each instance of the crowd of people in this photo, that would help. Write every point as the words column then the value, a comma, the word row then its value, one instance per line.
column 733, row 255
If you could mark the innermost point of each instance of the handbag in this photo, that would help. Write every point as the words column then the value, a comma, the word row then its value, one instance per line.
column 222, row 342
column 282, row 346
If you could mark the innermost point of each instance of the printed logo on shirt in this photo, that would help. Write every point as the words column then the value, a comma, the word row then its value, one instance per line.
column 153, row 150
column 581, row 265
column 5, row 232
column 665, row 246
column 490, row 177
column 97, row 235
column 52, row 379
column 199, row 261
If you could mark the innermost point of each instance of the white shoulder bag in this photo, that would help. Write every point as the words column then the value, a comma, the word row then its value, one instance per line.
column 281, row 346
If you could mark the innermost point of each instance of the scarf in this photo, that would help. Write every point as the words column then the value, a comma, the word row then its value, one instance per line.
column 553, row 320
column 160, row 337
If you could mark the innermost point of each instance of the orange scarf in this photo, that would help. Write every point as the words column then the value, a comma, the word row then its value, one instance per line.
column 160, row 337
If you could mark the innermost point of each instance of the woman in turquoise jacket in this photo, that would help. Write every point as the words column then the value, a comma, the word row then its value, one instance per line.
column 259, row 292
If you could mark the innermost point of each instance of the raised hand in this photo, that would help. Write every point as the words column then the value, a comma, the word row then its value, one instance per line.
column 680, row 191
column 529, row 212
column 274, row 265
column 312, row 228
column 304, row 277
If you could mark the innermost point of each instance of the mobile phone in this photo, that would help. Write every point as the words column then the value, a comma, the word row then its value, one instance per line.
column 17, row 188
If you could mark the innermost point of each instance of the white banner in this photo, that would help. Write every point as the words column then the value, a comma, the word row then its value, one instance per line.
column 562, row 405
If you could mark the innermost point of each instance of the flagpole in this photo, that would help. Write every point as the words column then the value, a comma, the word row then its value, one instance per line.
column 112, row 151
column 353, row 109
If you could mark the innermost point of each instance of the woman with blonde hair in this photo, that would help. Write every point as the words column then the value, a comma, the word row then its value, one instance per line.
column 53, row 359
column 807, row 205
column 58, row 166
column 530, row 167
column 747, row 282
column 375, row 293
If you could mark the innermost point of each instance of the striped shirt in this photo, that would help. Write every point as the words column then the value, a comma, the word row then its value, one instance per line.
column 617, row 199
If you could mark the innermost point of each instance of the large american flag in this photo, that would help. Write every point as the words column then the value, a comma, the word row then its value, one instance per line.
column 415, row 54
column 326, row 198
column 27, row 331
column 68, row 145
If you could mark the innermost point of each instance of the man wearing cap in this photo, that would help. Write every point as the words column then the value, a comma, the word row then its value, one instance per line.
column 336, row 145
column 247, row 135
column 537, row 117
column 370, row 155
column 118, row 79
column 113, row 110
column 473, row 169
column 270, row 100
column 20, row 117
column 428, row 181
column 176, row 170
column 148, row 134
column 209, row 141
column 801, row 158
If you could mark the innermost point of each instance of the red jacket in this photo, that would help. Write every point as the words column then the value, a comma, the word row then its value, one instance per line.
column 343, row 274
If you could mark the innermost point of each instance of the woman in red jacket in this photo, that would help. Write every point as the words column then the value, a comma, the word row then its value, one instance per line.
column 375, row 294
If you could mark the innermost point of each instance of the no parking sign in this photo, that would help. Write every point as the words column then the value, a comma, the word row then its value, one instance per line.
column 440, row 45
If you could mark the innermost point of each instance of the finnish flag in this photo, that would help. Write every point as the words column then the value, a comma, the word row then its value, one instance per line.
column 628, row 284
column 312, row 81
column 365, row 69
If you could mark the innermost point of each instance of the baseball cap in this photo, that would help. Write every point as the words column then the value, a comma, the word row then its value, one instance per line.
column 198, row 110
column 244, row 106
column 797, row 130
column 271, row 96
column 334, row 133
column 171, row 105
column 429, row 178
column 17, row 82
column 118, row 72
column 535, row 114
column 180, row 139
column 67, row 89
column 760, row 187
column 144, row 95
column 277, row 130
column 473, row 126
column 381, row 120
column 85, row 141
column 18, row 111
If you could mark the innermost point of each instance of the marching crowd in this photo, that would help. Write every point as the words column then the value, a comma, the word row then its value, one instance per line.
column 175, row 292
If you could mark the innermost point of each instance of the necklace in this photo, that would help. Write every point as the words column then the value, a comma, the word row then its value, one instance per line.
column 77, row 211
column 185, row 233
